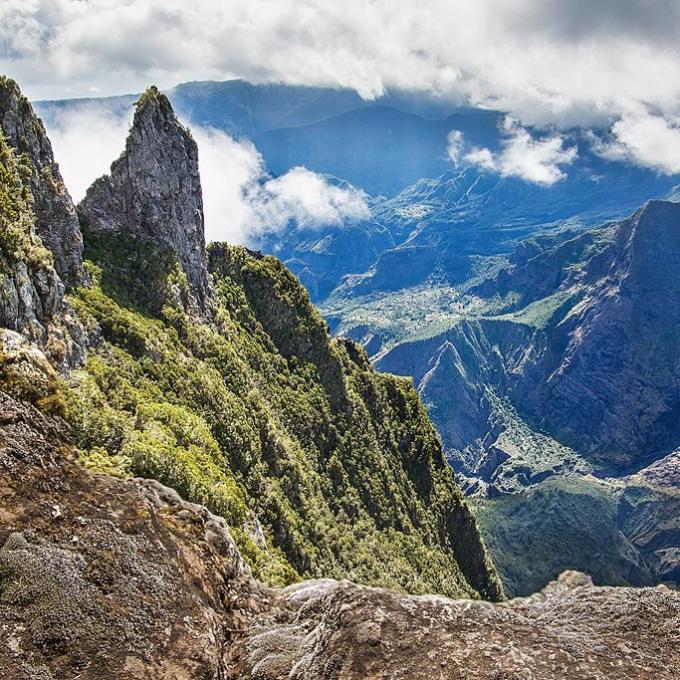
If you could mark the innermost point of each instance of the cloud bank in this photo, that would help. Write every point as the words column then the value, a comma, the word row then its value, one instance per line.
column 241, row 200
column 544, row 62
column 539, row 161
column 646, row 139
column 540, row 60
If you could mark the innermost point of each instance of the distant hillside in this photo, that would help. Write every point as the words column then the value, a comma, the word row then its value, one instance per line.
column 381, row 146
column 566, row 364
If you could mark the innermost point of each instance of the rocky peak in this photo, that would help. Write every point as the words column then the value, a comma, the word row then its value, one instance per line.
column 154, row 190
column 56, row 221
column 32, row 301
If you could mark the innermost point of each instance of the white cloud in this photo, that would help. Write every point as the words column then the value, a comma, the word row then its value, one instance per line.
column 455, row 145
column 240, row 199
column 538, row 161
column 543, row 61
column 85, row 142
column 646, row 139
column 307, row 198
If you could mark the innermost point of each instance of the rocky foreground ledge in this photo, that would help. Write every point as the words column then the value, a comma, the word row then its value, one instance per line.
column 111, row 579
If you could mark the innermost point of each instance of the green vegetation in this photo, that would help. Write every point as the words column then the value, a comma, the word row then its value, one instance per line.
column 26, row 374
column 561, row 523
column 400, row 316
column 532, row 455
column 152, row 93
column 17, row 241
column 541, row 312
column 260, row 411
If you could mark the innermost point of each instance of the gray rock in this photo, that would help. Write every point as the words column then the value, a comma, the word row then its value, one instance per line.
column 38, row 212
column 154, row 190
column 56, row 221
column 321, row 630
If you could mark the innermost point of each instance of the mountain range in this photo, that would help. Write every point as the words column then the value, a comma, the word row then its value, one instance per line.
column 536, row 321
column 189, row 459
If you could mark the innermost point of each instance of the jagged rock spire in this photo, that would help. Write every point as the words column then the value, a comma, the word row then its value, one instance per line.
column 56, row 221
column 154, row 189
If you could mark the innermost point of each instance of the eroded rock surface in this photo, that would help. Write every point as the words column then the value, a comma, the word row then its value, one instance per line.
column 104, row 578
column 154, row 190
column 56, row 221
column 337, row 630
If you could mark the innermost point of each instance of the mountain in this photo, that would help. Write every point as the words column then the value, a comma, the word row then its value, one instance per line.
column 555, row 394
column 211, row 372
column 55, row 217
column 107, row 579
column 160, row 160
column 380, row 146
column 380, row 149
column 35, row 210
column 428, row 285
column 246, row 109
column 194, row 444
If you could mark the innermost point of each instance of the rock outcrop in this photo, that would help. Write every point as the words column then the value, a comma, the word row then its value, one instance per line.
column 154, row 190
column 104, row 578
column 110, row 579
column 56, row 222
column 35, row 210
column 320, row 630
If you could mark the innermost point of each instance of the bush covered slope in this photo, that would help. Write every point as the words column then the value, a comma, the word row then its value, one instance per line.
column 321, row 466
column 261, row 412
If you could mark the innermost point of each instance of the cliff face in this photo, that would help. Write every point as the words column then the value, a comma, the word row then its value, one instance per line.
column 625, row 336
column 35, row 210
column 601, row 374
column 320, row 465
column 56, row 222
column 110, row 579
column 154, row 190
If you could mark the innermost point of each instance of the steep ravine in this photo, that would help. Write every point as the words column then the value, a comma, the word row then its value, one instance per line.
column 557, row 392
